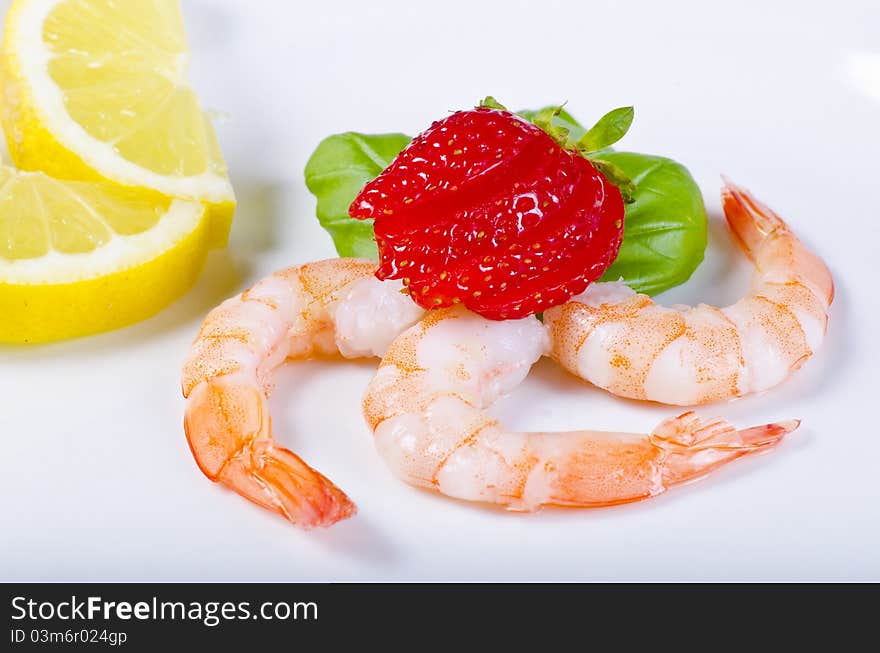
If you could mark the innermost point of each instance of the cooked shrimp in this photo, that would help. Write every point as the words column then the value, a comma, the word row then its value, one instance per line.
column 625, row 343
column 427, row 408
column 329, row 307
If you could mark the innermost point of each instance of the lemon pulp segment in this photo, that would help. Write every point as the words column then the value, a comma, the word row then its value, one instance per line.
column 97, row 90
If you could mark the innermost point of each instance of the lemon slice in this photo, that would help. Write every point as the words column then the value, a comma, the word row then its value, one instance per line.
column 81, row 257
column 97, row 90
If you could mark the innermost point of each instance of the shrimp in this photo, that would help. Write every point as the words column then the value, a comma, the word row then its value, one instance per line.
column 427, row 408
column 625, row 343
column 330, row 307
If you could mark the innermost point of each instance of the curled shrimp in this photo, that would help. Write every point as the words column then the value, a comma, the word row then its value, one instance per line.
column 625, row 343
column 329, row 307
column 427, row 409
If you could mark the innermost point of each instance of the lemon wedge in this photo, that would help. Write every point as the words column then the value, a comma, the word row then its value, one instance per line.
column 78, row 258
column 97, row 90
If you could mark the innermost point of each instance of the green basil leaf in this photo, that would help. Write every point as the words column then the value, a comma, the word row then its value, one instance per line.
column 336, row 172
column 607, row 131
column 665, row 226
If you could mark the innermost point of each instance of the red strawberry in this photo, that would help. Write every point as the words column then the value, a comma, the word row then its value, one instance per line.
column 486, row 209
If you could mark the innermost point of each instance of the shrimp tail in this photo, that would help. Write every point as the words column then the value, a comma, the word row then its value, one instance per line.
column 229, row 432
column 278, row 479
column 749, row 220
column 695, row 448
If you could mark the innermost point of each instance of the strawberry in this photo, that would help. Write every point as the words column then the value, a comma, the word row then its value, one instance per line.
column 487, row 209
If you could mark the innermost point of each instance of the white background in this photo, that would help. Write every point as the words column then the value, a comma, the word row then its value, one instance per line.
column 97, row 483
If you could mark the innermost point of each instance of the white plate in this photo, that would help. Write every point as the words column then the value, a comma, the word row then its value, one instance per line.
column 97, row 483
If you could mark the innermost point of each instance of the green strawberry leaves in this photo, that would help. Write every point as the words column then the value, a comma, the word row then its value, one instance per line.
column 559, row 118
column 665, row 225
column 490, row 102
column 548, row 120
column 591, row 143
column 605, row 133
